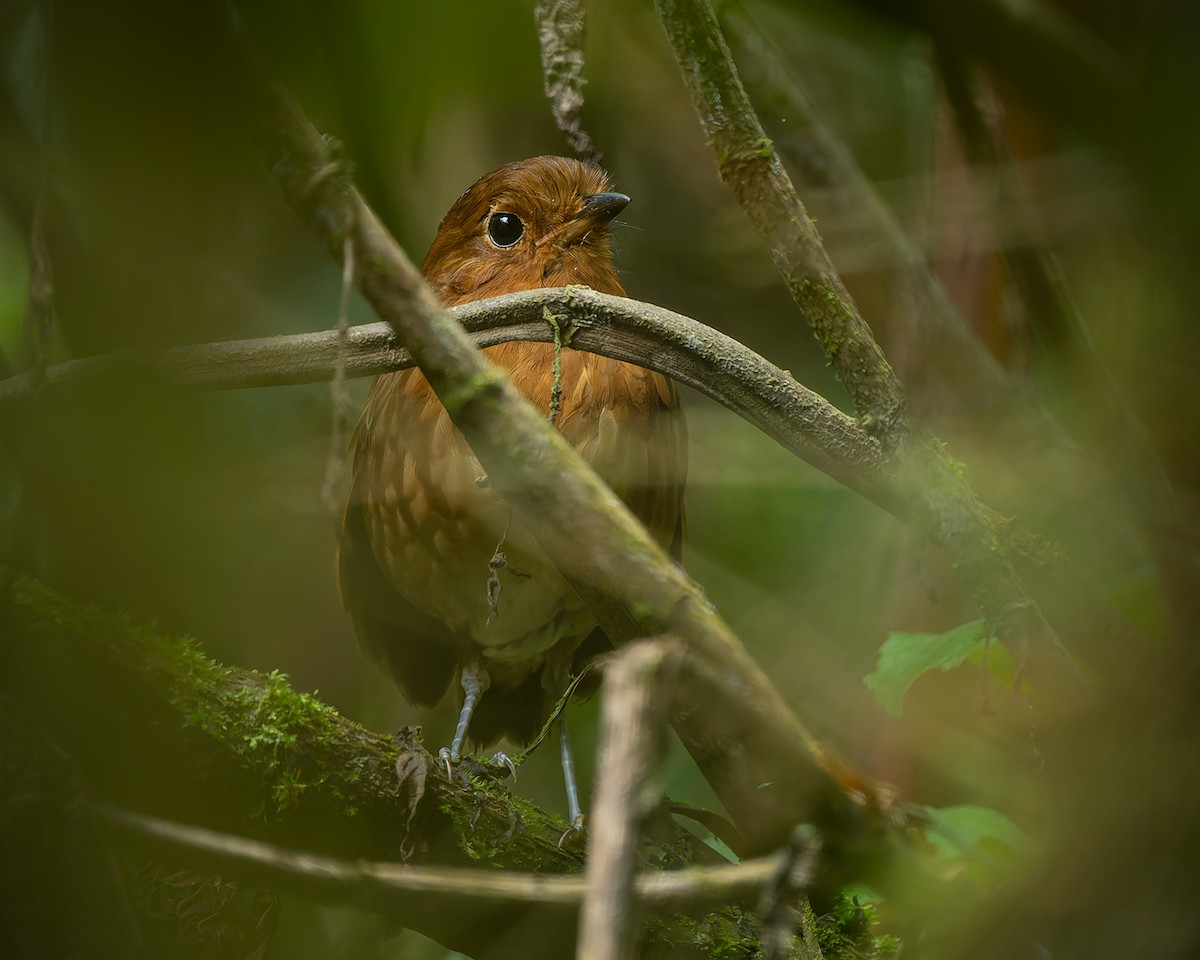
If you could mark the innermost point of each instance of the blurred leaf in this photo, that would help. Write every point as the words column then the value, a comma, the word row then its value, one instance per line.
column 861, row 894
column 972, row 832
column 906, row 656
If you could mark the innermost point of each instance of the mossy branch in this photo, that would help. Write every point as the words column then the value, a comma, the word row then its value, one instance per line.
column 254, row 772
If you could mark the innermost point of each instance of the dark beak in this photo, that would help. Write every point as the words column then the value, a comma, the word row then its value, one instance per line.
column 598, row 209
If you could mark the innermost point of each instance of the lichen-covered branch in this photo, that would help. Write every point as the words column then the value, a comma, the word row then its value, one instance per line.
column 932, row 481
column 189, row 729
column 748, row 163
column 820, row 162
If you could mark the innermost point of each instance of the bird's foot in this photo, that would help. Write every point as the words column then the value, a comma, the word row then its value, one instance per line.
column 502, row 761
column 499, row 765
column 574, row 832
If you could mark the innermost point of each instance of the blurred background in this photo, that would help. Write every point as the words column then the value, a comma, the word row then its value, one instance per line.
column 135, row 211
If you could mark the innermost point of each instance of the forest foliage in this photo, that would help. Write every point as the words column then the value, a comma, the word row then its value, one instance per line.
column 978, row 601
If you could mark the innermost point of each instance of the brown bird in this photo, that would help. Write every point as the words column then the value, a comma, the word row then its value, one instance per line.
column 440, row 579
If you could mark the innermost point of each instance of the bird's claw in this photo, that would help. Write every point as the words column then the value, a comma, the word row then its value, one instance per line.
column 501, row 759
column 498, row 765
column 575, row 831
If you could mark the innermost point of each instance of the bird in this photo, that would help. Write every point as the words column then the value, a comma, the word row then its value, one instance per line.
column 441, row 580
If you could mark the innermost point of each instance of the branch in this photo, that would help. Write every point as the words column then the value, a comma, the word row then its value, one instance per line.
column 932, row 481
column 190, row 729
column 677, row 346
column 632, row 722
column 823, row 166
column 247, row 772
column 408, row 891
column 748, row 163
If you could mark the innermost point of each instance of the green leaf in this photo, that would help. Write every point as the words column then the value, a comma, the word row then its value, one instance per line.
column 906, row 656
column 971, row 832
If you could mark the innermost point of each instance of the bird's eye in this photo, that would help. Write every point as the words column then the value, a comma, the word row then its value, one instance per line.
column 505, row 229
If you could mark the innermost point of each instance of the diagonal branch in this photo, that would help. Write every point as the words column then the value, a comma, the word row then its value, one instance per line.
column 932, row 480
column 748, row 163
column 822, row 163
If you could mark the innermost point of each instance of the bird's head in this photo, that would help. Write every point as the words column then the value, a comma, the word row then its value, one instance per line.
column 534, row 223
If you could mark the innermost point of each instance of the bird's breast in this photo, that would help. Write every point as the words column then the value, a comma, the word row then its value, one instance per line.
column 451, row 547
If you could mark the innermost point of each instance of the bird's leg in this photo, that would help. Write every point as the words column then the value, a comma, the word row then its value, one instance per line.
column 574, row 810
column 475, row 681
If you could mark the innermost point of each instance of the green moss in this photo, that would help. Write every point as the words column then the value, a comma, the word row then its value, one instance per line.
column 556, row 390
column 850, row 929
column 722, row 935
column 261, row 718
column 274, row 727
column 190, row 681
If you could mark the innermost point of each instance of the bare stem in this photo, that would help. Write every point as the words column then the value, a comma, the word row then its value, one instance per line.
column 633, row 721
column 379, row 886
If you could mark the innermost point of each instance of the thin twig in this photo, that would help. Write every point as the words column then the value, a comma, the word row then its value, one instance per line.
column 39, row 301
column 632, row 727
column 380, row 886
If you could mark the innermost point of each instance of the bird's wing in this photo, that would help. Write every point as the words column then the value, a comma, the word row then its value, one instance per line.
column 414, row 649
